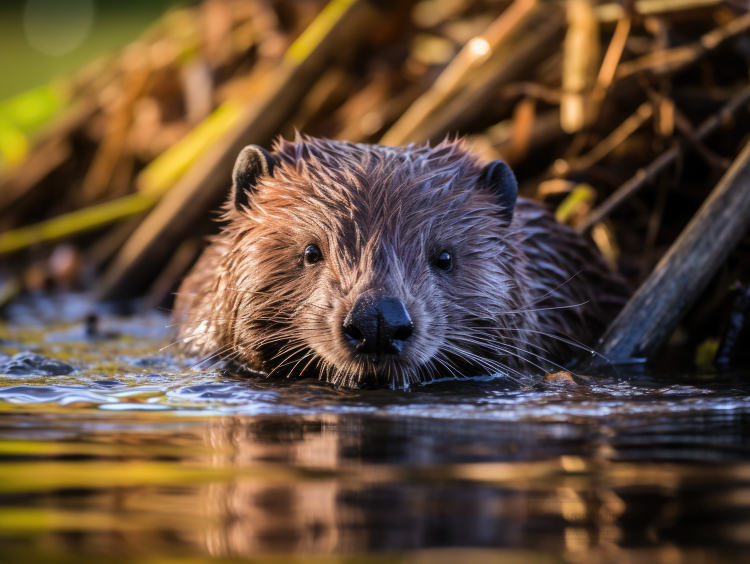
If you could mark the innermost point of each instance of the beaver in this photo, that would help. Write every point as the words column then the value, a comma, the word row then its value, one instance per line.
column 369, row 265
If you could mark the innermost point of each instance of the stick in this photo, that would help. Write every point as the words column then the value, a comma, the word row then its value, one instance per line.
column 683, row 273
column 645, row 175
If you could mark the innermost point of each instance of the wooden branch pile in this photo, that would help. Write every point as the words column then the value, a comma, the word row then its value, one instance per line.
column 621, row 117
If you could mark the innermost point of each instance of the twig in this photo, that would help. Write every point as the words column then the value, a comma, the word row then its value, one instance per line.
column 614, row 139
column 643, row 176
column 612, row 12
column 609, row 64
column 677, row 58
column 686, row 128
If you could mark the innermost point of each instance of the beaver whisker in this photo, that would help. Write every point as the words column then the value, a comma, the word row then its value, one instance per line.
column 480, row 341
column 292, row 349
column 471, row 358
column 232, row 358
column 566, row 339
column 480, row 359
column 472, row 336
column 308, row 354
column 184, row 339
column 254, row 292
column 541, row 298
column 540, row 357
column 295, row 332
column 291, row 343
column 489, row 366
column 494, row 366
column 285, row 331
column 429, row 368
column 448, row 364
column 206, row 358
column 284, row 362
column 518, row 356
column 494, row 343
column 339, row 374
column 313, row 357
column 274, row 338
column 571, row 306
column 209, row 356
column 323, row 367
column 199, row 321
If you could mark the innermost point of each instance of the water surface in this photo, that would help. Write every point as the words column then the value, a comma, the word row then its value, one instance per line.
column 139, row 456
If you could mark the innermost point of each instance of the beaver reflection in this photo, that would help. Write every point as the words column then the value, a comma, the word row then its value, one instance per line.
column 330, row 512
column 354, row 484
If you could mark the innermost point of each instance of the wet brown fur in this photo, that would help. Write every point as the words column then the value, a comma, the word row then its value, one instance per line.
column 518, row 295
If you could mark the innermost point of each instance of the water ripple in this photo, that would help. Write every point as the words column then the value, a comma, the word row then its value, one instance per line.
column 129, row 373
column 62, row 395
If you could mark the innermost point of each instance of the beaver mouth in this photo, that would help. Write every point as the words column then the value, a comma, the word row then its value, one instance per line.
column 396, row 372
column 370, row 371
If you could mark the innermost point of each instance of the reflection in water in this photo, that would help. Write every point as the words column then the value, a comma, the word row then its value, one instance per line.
column 235, row 486
column 431, row 488
column 136, row 457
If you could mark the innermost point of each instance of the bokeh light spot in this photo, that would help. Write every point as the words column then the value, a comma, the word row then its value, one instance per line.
column 57, row 27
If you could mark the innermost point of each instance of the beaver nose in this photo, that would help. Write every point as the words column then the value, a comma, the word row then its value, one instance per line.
column 378, row 324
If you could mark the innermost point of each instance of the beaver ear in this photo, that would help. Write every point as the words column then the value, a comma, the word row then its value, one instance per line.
column 252, row 162
column 497, row 177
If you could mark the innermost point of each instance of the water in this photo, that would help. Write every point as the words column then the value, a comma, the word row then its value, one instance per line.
column 136, row 456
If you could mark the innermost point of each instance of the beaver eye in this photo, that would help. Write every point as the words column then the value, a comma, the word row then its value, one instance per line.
column 312, row 254
column 444, row 261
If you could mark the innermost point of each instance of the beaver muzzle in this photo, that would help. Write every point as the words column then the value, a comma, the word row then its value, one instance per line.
column 378, row 324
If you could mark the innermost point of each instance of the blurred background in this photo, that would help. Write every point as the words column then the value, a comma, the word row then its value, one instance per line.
column 119, row 125
column 120, row 121
column 43, row 40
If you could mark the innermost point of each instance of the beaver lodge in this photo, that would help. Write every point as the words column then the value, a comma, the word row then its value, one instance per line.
column 628, row 119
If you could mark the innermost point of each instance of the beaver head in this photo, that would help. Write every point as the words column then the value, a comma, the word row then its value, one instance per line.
column 365, row 264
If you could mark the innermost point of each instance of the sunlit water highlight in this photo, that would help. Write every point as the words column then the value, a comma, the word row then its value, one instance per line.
column 137, row 455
